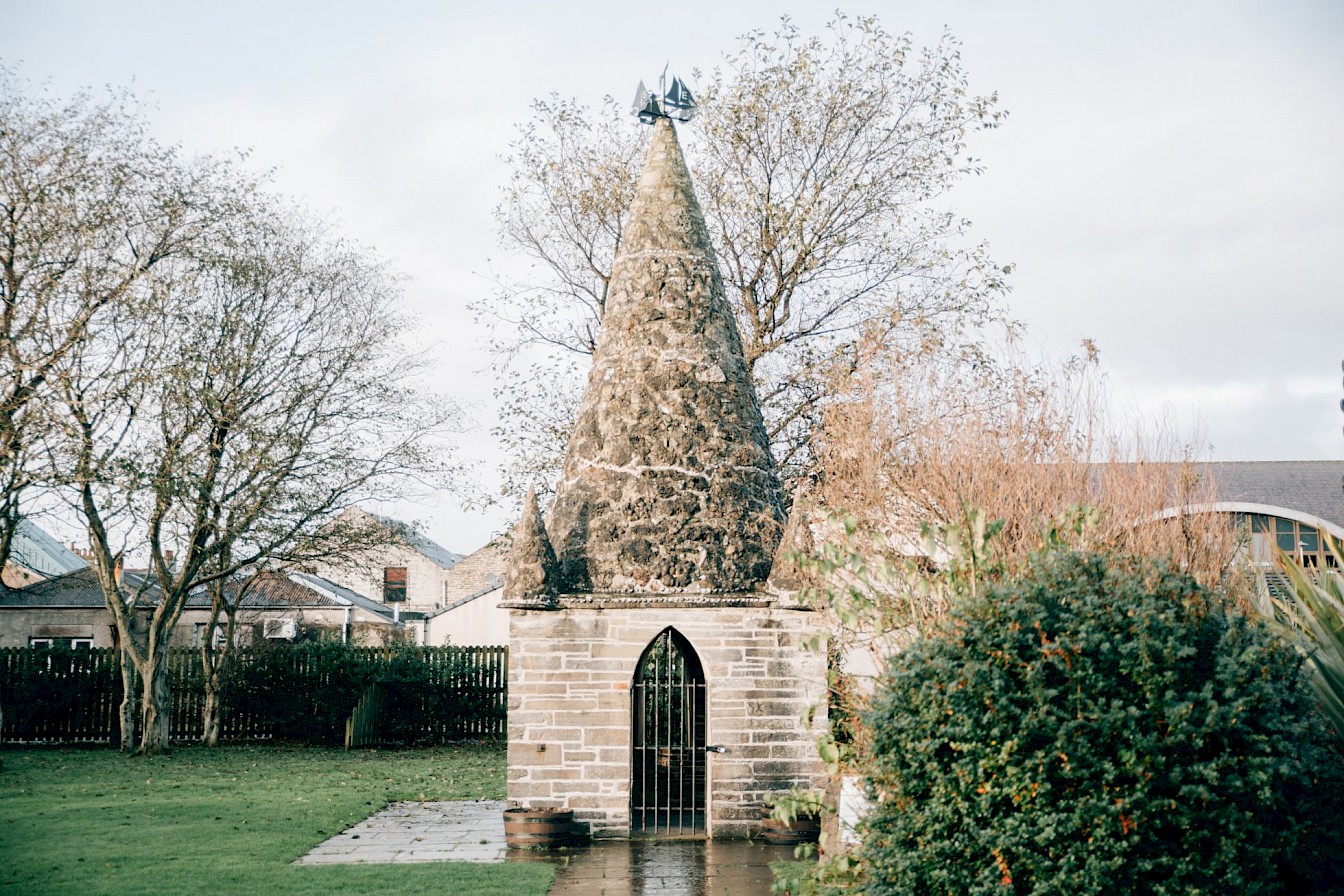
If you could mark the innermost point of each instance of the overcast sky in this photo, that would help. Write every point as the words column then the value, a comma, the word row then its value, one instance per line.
column 1169, row 183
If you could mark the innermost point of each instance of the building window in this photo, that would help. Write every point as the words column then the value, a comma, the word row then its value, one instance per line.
column 1299, row 541
column 70, row 643
column 198, row 635
column 394, row 584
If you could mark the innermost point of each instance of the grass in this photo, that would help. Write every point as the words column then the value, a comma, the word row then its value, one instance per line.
column 231, row 820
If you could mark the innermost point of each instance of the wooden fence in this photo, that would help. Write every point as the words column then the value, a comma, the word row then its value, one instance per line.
column 361, row 729
column 303, row 692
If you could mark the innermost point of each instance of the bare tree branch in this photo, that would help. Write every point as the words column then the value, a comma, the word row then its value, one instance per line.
column 818, row 163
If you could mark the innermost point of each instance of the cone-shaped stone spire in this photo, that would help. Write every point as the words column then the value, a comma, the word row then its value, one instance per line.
column 668, row 482
column 532, row 572
column 786, row 574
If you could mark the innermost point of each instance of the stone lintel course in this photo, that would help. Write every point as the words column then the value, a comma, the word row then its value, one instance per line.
column 569, row 686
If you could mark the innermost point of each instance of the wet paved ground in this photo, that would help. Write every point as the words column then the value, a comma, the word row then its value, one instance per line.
column 474, row 832
column 669, row 868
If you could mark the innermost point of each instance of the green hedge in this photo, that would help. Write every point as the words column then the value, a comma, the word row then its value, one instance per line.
column 303, row 691
column 1098, row 727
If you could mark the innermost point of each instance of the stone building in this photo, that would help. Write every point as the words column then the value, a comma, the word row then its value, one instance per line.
column 408, row 573
column 657, row 684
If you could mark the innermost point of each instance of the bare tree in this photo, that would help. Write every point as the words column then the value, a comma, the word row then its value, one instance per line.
column 90, row 208
column 817, row 162
column 263, row 391
column 230, row 593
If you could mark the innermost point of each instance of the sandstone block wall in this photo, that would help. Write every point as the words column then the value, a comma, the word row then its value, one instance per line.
column 570, row 672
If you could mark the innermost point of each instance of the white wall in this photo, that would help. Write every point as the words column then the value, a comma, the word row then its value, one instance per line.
column 478, row 623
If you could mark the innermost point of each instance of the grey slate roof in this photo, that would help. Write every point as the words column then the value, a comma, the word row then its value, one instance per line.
column 343, row 596
column 75, row 589
column 275, row 591
column 44, row 555
column 427, row 546
column 1308, row 486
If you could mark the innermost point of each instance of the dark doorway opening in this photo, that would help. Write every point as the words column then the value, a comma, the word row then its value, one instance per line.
column 667, row 787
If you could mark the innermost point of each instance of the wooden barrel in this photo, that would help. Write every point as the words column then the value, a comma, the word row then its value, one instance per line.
column 527, row 828
column 803, row 829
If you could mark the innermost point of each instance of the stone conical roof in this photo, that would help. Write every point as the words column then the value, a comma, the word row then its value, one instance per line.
column 530, row 578
column 668, row 482
column 786, row 574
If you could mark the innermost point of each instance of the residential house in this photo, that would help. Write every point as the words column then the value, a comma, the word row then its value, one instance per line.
column 63, row 609
column 287, row 605
column 34, row 555
column 407, row 575
column 471, row 615
column 69, row 609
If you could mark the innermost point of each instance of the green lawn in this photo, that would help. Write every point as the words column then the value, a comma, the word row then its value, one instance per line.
column 230, row 820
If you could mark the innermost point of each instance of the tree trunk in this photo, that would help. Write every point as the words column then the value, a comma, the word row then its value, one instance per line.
column 215, row 662
column 126, row 712
column 158, row 705
column 210, row 731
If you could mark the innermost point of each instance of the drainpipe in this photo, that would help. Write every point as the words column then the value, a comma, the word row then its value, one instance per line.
column 345, row 629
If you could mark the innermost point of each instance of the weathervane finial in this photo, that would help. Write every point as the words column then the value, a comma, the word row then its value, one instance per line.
column 674, row 102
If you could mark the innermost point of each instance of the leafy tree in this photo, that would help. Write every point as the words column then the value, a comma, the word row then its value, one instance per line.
column 817, row 163
column 1096, row 725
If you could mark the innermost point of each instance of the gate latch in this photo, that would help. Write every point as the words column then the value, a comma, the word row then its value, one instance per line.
column 715, row 748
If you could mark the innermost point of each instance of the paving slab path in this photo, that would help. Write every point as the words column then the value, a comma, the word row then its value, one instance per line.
column 458, row 831
column 445, row 831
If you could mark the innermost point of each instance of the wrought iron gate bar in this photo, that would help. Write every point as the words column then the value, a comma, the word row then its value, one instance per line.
column 667, row 776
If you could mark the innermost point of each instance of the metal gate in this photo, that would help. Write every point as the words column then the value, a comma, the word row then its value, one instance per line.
column 667, row 731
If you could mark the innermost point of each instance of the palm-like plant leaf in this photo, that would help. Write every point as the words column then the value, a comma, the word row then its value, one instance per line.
column 1312, row 613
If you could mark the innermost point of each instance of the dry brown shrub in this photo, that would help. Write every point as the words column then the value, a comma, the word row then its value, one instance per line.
column 912, row 444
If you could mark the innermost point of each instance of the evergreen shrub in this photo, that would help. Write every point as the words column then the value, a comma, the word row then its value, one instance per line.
column 303, row 691
column 1097, row 726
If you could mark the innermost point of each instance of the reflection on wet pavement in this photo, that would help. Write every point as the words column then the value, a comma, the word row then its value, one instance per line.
column 473, row 831
column 664, row 868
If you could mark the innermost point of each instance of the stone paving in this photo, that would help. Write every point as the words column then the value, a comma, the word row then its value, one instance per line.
column 419, row 832
column 474, row 832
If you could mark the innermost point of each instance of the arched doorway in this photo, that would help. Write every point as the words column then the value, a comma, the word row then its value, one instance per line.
column 667, row 734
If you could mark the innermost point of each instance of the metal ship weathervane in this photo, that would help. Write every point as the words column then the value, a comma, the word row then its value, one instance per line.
column 674, row 102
